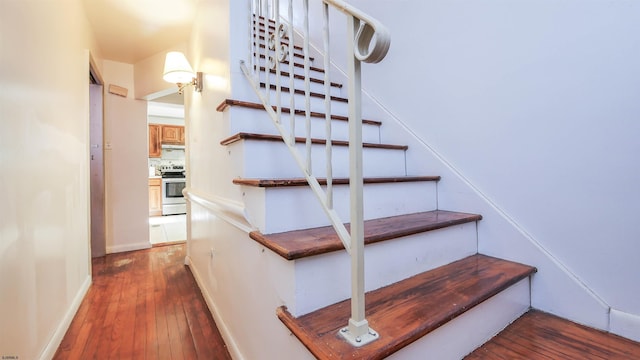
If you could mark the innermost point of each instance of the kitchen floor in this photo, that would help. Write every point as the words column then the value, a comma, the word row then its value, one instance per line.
column 167, row 229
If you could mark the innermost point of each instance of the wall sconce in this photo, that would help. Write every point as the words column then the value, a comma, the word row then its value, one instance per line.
column 177, row 70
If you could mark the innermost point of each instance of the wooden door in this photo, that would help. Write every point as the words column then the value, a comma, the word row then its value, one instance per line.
column 155, row 146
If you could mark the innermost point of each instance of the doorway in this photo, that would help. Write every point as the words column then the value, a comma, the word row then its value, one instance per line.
column 167, row 168
column 96, row 163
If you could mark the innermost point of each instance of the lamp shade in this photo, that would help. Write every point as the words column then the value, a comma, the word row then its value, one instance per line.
column 177, row 68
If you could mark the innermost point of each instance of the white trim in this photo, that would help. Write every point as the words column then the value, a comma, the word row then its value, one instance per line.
column 624, row 324
column 228, row 210
column 53, row 344
column 232, row 346
column 128, row 247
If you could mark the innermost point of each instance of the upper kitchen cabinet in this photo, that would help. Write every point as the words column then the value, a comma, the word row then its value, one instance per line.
column 155, row 141
column 173, row 134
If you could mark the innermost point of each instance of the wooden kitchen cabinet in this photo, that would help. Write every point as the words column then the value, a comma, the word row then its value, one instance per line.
column 155, row 196
column 155, row 141
column 173, row 134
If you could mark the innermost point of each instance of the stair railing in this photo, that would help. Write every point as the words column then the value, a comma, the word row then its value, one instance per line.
column 270, row 49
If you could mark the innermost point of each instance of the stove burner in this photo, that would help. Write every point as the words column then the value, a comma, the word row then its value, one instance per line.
column 172, row 171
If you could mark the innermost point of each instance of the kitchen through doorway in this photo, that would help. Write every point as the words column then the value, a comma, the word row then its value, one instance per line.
column 167, row 172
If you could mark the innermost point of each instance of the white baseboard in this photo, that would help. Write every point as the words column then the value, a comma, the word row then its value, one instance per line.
column 51, row 348
column 232, row 346
column 128, row 247
column 625, row 324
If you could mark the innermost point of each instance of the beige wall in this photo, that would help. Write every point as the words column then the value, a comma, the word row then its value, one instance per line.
column 148, row 75
column 44, row 147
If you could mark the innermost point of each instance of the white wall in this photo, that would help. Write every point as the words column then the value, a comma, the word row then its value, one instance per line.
column 126, row 167
column 44, row 154
column 232, row 270
column 535, row 104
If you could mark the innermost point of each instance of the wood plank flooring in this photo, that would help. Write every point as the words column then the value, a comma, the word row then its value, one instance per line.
column 143, row 305
column 537, row 335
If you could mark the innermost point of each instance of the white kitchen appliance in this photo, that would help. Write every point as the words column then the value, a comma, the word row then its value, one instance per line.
column 173, row 182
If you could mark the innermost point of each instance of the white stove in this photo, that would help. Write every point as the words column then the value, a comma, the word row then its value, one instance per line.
column 173, row 182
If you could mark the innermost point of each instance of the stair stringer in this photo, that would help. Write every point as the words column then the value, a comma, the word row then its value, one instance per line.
column 555, row 288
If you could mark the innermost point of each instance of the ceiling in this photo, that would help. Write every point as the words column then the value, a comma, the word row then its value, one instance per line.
column 131, row 30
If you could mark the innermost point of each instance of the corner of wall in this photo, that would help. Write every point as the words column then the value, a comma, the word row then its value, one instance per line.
column 625, row 324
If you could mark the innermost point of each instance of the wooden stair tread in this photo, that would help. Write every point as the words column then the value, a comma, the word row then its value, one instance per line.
column 295, row 54
column 268, row 137
column 225, row 104
column 403, row 312
column 298, row 244
column 302, row 92
column 336, row 181
column 538, row 335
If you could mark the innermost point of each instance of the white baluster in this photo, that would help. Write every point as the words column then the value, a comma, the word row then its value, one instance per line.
column 292, row 101
column 307, row 85
column 327, row 104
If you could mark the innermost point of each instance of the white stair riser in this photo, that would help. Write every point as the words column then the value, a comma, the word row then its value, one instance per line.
column 281, row 209
column 457, row 338
column 241, row 119
column 272, row 159
column 322, row 280
column 316, row 104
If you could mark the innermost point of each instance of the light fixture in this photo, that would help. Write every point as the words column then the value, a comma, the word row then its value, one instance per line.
column 177, row 70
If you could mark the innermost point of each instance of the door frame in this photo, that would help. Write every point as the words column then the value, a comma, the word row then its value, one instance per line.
column 98, row 237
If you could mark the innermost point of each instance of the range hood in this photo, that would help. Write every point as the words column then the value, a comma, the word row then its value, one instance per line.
column 172, row 147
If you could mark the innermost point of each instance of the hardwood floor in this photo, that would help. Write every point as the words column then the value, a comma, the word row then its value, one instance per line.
column 143, row 305
column 538, row 335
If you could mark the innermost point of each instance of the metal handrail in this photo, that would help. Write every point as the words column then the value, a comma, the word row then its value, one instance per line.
column 368, row 41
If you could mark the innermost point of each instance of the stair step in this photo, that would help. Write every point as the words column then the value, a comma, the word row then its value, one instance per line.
column 298, row 244
column 230, row 102
column 295, row 54
column 279, row 209
column 298, row 65
column 405, row 311
column 301, row 140
column 338, row 105
column 338, row 181
column 538, row 335
column 255, row 120
column 285, row 41
column 285, row 74
column 302, row 92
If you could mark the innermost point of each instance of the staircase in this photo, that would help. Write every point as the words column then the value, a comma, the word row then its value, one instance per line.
column 430, row 294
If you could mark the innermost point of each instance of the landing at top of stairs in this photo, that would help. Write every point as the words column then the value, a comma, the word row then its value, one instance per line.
column 308, row 242
column 403, row 312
